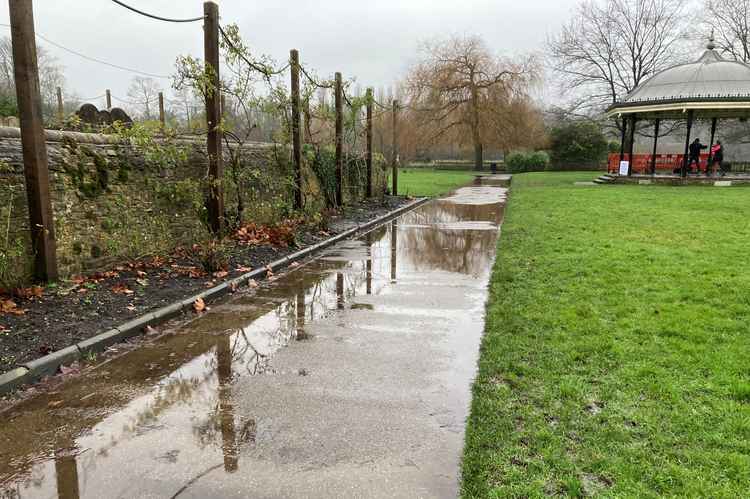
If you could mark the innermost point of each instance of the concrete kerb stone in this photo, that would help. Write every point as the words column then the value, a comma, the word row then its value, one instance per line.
column 49, row 364
column 102, row 341
column 13, row 379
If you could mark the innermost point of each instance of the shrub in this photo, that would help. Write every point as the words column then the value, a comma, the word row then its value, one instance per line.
column 518, row 161
column 578, row 143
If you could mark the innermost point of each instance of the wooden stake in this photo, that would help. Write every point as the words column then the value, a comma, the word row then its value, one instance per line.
column 394, row 159
column 109, row 100
column 369, row 143
column 36, row 168
column 296, row 129
column 339, row 141
column 215, row 204
column 162, row 117
column 60, row 110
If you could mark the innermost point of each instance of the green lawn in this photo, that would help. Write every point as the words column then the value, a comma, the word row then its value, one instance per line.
column 616, row 360
column 429, row 182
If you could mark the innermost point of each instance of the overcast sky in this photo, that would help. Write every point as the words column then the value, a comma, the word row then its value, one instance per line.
column 371, row 40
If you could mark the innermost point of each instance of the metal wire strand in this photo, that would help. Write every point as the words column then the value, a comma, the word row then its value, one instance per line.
column 158, row 18
column 92, row 59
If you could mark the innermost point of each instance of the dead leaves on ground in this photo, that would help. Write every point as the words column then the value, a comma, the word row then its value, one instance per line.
column 200, row 306
column 8, row 306
column 121, row 289
column 281, row 234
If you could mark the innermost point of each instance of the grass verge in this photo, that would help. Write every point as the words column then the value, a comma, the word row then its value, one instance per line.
column 430, row 182
column 615, row 359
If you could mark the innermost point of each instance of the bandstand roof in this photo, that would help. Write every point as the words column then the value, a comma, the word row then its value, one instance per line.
column 712, row 86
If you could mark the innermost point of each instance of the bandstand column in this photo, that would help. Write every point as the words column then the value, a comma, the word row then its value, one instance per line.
column 631, row 143
column 622, row 139
column 656, row 140
column 685, row 158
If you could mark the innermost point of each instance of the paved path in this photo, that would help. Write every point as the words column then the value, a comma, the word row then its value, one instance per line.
column 347, row 377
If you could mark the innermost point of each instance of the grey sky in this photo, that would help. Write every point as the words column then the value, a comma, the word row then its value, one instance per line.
column 372, row 41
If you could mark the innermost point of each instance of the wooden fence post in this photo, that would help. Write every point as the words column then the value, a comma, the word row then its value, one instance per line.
column 60, row 109
column 296, row 129
column 36, row 170
column 109, row 100
column 394, row 158
column 215, row 204
column 339, row 141
column 369, row 142
column 162, row 117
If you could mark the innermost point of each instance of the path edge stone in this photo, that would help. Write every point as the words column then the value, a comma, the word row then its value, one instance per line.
column 49, row 364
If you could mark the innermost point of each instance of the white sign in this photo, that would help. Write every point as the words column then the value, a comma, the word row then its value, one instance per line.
column 624, row 165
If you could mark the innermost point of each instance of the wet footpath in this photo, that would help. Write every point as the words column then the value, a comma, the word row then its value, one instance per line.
column 348, row 376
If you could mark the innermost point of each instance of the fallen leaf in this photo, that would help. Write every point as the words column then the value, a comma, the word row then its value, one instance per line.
column 131, row 308
column 151, row 330
column 122, row 289
column 29, row 293
column 142, row 282
column 199, row 305
column 269, row 271
column 233, row 287
column 78, row 279
column 294, row 264
column 3, row 329
column 69, row 370
column 82, row 290
column 252, row 283
column 140, row 273
column 55, row 403
column 10, row 307
column 221, row 274
column 243, row 269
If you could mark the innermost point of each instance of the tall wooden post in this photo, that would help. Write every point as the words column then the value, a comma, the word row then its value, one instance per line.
column 653, row 153
column 109, row 99
column 215, row 204
column 369, row 142
column 296, row 129
column 685, row 157
column 394, row 158
column 35, row 164
column 631, row 143
column 162, row 118
column 60, row 109
column 339, row 141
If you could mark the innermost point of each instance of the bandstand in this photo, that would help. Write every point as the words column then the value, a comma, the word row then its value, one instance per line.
column 711, row 88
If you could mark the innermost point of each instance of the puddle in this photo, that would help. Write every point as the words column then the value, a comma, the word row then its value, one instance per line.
column 350, row 373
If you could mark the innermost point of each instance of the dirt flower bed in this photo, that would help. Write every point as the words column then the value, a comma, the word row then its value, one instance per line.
column 37, row 320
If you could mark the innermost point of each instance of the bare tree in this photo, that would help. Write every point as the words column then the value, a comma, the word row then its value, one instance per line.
column 144, row 92
column 457, row 87
column 729, row 21
column 50, row 75
column 611, row 46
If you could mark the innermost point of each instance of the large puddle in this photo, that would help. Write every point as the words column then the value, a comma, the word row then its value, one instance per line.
column 347, row 377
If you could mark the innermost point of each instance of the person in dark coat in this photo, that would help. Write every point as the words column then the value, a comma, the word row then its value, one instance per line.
column 695, row 155
column 717, row 158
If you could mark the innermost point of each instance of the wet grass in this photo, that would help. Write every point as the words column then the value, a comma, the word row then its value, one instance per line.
column 615, row 361
column 430, row 182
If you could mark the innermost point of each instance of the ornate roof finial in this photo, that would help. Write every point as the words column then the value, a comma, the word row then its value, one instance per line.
column 711, row 45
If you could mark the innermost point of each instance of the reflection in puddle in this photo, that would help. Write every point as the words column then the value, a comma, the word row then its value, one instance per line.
column 128, row 419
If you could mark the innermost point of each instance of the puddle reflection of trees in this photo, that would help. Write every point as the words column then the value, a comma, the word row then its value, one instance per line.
column 230, row 355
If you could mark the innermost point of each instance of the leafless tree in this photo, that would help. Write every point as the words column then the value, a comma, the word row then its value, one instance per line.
column 611, row 46
column 729, row 20
column 50, row 75
column 144, row 92
column 458, row 85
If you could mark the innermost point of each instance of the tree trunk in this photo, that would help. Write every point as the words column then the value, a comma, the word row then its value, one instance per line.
column 475, row 135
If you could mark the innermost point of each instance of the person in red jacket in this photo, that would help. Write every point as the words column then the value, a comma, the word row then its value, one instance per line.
column 717, row 158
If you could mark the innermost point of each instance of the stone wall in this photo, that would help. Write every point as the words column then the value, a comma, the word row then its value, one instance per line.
column 112, row 201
